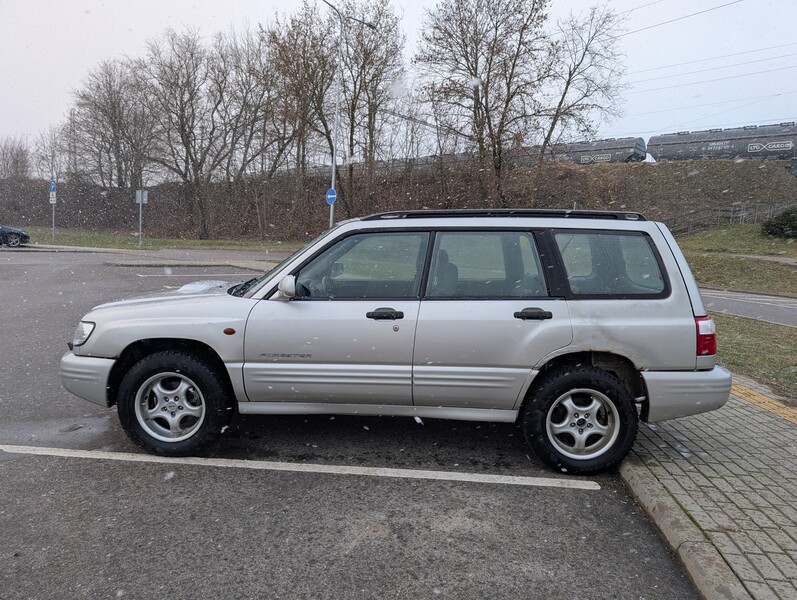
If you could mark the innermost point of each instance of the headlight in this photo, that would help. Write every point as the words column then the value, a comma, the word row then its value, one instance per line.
column 82, row 333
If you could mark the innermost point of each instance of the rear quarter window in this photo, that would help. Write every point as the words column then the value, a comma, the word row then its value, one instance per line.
column 611, row 264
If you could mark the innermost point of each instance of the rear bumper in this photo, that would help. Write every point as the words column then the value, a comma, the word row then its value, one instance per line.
column 86, row 376
column 673, row 394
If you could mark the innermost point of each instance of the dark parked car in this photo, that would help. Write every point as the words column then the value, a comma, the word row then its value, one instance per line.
column 13, row 237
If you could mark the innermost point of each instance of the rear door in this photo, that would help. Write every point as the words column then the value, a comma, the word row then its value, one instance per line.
column 485, row 320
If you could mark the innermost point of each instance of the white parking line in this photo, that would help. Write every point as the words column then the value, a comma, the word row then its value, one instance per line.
column 576, row 484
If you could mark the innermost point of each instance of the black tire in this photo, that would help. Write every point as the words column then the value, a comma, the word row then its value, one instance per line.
column 188, row 415
column 580, row 420
column 13, row 240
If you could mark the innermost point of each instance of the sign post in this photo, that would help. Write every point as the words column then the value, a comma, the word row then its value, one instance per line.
column 332, row 195
column 142, row 197
column 52, row 202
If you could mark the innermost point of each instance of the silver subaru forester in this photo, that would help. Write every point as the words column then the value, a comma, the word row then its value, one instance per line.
column 577, row 323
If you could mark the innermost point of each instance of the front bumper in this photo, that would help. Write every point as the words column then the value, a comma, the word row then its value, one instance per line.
column 86, row 376
column 673, row 394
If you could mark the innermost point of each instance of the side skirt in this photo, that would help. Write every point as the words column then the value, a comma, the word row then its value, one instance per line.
column 386, row 410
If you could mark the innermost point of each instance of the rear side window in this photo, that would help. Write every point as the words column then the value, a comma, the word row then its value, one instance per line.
column 485, row 264
column 600, row 263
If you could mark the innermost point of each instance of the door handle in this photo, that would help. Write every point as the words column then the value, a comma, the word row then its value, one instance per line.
column 385, row 314
column 534, row 314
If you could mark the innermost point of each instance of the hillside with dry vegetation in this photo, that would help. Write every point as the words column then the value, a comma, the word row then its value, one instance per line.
column 684, row 194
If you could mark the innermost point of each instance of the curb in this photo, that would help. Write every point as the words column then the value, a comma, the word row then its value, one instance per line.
column 74, row 249
column 144, row 260
column 258, row 266
column 710, row 573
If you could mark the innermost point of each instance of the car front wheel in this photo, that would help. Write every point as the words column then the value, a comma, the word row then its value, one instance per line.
column 13, row 240
column 174, row 404
column 580, row 420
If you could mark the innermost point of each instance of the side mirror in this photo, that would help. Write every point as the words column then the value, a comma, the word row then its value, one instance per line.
column 288, row 286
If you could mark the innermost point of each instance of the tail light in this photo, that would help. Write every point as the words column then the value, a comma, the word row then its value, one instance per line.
column 706, row 336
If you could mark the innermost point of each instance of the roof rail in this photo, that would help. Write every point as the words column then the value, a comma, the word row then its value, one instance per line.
column 509, row 212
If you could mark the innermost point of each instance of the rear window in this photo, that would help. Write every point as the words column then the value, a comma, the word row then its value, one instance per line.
column 603, row 263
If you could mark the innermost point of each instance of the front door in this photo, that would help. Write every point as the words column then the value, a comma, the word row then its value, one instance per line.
column 347, row 337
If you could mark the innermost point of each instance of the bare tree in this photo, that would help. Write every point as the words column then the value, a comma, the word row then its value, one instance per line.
column 587, row 68
column 188, row 94
column 259, row 128
column 15, row 159
column 484, row 64
column 406, row 133
column 372, row 62
column 49, row 153
column 97, row 125
column 259, row 135
column 303, row 60
column 110, row 128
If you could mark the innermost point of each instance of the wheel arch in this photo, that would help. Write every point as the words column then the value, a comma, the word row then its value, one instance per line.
column 616, row 364
column 143, row 348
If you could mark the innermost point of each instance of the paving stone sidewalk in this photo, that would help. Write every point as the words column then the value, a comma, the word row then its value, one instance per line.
column 734, row 474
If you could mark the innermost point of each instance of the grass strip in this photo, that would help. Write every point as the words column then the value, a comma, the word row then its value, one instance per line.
column 759, row 350
column 738, row 239
column 125, row 241
column 742, row 274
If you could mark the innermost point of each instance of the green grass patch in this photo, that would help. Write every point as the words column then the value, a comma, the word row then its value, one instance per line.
column 108, row 239
column 719, row 259
column 743, row 274
column 737, row 239
column 762, row 351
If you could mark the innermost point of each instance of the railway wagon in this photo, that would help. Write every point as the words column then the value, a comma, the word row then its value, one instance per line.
column 610, row 150
column 751, row 141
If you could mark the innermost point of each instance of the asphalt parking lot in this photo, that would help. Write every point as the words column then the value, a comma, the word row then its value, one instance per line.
column 376, row 508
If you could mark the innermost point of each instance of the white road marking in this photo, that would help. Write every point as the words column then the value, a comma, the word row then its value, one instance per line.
column 769, row 301
column 576, row 484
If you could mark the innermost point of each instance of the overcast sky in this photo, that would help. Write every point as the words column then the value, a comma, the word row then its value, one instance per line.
column 744, row 53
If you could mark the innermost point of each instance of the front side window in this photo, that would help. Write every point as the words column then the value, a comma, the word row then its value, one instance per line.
column 485, row 264
column 367, row 265
column 610, row 264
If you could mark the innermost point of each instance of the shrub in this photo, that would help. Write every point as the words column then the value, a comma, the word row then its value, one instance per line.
column 783, row 225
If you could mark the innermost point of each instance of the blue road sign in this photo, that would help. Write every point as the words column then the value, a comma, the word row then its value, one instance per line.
column 52, row 185
column 332, row 195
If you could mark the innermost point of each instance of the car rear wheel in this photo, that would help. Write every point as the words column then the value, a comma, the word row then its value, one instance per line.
column 173, row 403
column 580, row 420
column 13, row 240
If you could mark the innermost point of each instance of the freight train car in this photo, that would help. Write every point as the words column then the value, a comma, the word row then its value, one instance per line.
column 611, row 150
column 752, row 141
